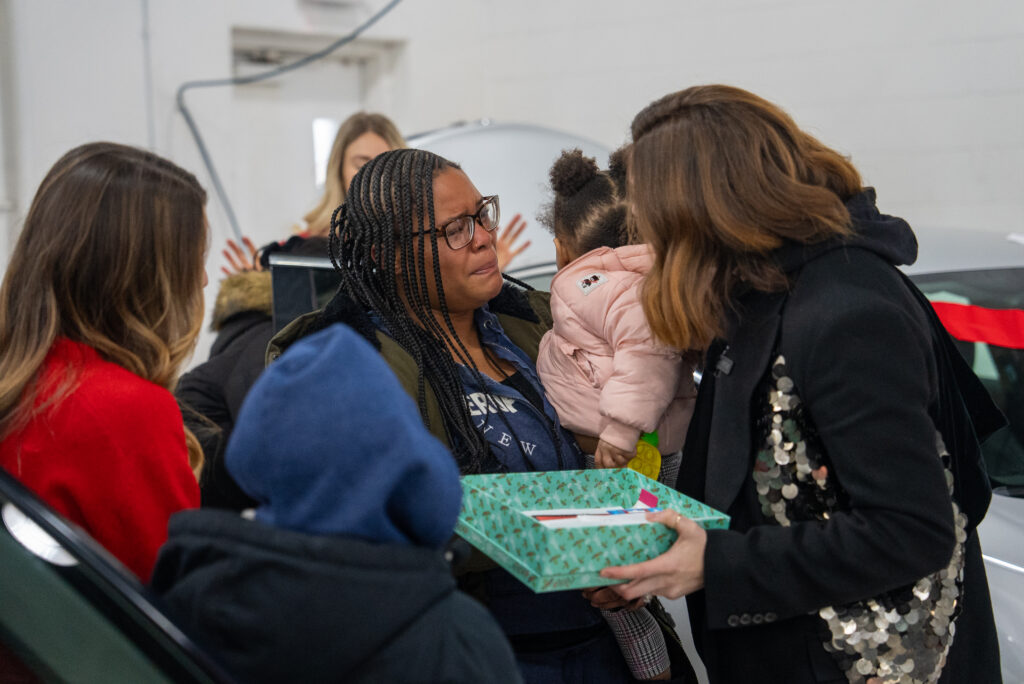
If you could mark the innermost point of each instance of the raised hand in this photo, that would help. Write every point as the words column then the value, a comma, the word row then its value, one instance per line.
column 506, row 247
column 239, row 259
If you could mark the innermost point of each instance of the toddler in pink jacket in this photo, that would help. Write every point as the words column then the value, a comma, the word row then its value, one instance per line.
column 609, row 380
column 600, row 366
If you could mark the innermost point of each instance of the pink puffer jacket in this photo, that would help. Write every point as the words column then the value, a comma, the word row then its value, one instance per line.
column 601, row 368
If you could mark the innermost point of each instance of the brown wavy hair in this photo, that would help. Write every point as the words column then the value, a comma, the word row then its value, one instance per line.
column 318, row 220
column 718, row 178
column 111, row 255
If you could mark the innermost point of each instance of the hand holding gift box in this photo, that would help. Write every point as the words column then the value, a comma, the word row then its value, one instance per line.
column 677, row 572
column 499, row 517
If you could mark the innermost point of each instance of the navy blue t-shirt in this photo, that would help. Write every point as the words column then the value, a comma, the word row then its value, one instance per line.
column 523, row 431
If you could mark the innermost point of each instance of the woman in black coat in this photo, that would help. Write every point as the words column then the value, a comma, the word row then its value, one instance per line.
column 831, row 421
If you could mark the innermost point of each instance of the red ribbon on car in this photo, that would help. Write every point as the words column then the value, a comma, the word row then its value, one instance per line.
column 998, row 327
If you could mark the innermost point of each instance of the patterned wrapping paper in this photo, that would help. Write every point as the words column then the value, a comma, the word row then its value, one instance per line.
column 555, row 559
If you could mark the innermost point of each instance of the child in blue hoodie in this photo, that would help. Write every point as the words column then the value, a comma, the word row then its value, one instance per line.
column 340, row 574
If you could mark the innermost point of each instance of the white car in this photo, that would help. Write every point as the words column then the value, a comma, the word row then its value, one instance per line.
column 986, row 270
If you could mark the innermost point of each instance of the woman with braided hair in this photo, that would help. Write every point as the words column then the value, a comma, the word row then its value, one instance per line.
column 360, row 138
column 415, row 247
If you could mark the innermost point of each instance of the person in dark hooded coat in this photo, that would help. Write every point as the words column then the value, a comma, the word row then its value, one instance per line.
column 835, row 422
column 340, row 574
column 210, row 395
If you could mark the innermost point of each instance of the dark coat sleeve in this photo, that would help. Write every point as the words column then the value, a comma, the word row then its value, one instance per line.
column 860, row 355
column 211, row 395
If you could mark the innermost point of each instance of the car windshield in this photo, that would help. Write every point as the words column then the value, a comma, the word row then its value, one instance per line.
column 983, row 311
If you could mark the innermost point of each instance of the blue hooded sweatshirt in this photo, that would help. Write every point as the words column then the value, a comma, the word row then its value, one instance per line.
column 345, row 580
column 329, row 443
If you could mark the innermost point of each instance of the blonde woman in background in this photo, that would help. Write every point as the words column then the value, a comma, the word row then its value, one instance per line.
column 360, row 138
column 100, row 305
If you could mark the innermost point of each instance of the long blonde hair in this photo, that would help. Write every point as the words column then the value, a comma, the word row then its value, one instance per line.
column 318, row 221
column 111, row 255
column 718, row 178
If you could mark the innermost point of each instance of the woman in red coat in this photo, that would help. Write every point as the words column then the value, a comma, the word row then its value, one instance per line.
column 100, row 304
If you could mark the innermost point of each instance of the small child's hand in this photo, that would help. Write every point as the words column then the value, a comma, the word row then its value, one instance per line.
column 609, row 456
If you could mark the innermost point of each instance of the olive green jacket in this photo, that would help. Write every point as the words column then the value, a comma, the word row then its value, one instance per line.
column 525, row 316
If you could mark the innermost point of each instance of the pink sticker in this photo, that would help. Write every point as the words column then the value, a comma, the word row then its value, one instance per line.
column 648, row 499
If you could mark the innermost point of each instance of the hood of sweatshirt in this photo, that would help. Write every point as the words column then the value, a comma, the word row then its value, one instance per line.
column 329, row 443
column 252, row 592
column 889, row 237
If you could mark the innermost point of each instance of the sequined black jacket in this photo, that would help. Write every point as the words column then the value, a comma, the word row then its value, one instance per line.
column 859, row 349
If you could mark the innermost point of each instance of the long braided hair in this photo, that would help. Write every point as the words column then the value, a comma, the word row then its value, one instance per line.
column 390, row 201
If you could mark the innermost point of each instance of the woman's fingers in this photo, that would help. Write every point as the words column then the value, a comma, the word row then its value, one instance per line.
column 511, row 232
column 677, row 572
column 669, row 518
column 240, row 259
column 655, row 566
column 249, row 245
column 505, row 245
column 253, row 257
column 518, row 250
column 656, row 585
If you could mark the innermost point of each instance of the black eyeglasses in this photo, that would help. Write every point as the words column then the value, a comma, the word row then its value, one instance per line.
column 459, row 231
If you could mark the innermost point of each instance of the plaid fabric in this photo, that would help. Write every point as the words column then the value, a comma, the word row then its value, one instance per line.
column 641, row 641
column 639, row 637
column 670, row 469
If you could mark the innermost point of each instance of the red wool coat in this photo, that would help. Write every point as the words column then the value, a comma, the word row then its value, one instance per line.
column 110, row 456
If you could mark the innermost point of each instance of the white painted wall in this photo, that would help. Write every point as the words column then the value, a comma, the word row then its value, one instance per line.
column 925, row 95
column 8, row 161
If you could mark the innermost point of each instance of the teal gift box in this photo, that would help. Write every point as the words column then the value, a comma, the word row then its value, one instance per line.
column 554, row 559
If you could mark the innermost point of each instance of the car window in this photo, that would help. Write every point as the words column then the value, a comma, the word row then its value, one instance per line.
column 982, row 311
column 300, row 284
